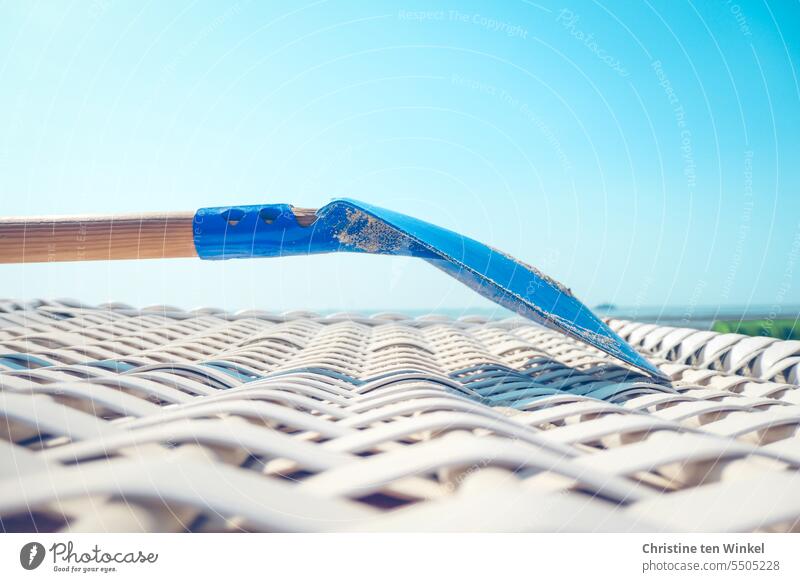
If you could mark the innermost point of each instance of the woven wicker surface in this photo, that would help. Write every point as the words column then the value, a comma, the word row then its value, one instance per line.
column 119, row 419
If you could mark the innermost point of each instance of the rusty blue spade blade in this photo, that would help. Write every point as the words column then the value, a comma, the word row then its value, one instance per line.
column 352, row 226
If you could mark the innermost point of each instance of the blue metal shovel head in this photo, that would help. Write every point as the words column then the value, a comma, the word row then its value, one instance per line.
column 352, row 226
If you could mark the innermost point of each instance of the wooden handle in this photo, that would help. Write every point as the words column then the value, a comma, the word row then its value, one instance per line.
column 96, row 238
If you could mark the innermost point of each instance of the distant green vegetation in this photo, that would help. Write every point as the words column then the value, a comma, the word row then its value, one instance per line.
column 780, row 328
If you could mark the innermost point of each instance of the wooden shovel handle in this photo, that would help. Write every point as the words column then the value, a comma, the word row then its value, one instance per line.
column 96, row 238
column 163, row 235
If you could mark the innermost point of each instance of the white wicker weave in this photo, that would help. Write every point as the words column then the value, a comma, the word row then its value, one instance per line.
column 119, row 419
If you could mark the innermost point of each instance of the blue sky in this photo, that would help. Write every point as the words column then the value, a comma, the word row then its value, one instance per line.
column 642, row 153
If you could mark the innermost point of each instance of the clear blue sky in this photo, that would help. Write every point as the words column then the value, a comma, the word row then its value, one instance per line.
column 642, row 153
